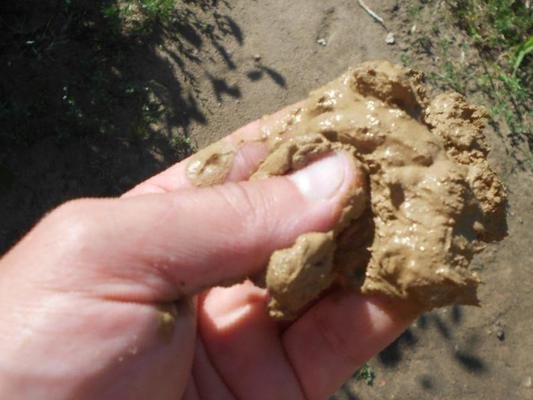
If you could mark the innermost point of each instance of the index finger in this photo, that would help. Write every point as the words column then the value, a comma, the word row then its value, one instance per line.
column 249, row 151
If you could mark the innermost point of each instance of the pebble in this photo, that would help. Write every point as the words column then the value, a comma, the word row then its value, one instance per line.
column 321, row 41
column 257, row 57
column 389, row 39
column 499, row 331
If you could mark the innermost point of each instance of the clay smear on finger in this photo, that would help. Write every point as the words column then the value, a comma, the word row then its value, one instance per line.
column 216, row 163
column 431, row 197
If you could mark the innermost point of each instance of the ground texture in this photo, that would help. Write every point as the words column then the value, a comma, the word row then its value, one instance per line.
column 231, row 64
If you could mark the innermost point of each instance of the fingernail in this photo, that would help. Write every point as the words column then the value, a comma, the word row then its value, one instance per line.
column 322, row 179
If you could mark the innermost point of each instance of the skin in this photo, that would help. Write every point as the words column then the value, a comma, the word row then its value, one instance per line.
column 116, row 298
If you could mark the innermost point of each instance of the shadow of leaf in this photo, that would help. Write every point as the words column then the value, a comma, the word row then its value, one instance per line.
column 187, row 32
column 427, row 382
column 254, row 75
column 470, row 362
column 260, row 70
column 221, row 87
column 456, row 314
column 233, row 29
column 275, row 76
column 93, row 106
column 441, row 326
column 392, row 355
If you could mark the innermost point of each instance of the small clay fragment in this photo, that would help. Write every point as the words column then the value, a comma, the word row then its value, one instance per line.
column 432, row 196
column 213, row 166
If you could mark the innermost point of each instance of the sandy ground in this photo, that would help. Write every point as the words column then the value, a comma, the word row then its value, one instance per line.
column 454, row 353
column 458, row 352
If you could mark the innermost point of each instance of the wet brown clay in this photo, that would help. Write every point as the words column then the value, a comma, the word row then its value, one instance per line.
column 431, row 197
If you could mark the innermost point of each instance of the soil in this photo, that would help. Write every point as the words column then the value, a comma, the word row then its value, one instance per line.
column 261, row 57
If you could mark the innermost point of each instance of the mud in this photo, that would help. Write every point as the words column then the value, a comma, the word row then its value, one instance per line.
column 430, row 201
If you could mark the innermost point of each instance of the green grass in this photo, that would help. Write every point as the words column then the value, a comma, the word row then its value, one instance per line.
column 502, row 32
column 414, row 10
column 496, row 25
column 157, row 8
column 521, row 52
column 73, row 69
column 451, row 77
column 366, row 373
column 406, row 60
column 138, row 16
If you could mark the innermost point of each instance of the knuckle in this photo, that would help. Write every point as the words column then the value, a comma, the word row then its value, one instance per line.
column 72, row 224
column 247, row 208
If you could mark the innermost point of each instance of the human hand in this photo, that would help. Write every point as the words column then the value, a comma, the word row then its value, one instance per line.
column 116, row 298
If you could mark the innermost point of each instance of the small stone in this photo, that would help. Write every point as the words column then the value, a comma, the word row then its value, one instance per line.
column 257, row 57
column 389, row 39
column 500, row 334
column 413, row 29
column 321, row 41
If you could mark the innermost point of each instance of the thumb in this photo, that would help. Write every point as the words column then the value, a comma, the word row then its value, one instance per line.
column 162, row 246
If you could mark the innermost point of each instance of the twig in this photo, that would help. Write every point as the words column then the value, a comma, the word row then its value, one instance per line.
column 372, row 14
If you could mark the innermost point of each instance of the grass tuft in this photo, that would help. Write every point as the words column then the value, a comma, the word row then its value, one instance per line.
column 366, row 373
column 138, row 16
column 502, row 31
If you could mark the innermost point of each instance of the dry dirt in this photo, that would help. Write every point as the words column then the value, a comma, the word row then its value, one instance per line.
column 276, row 53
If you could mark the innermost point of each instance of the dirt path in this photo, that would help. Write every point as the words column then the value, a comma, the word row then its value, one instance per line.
column 268, row 54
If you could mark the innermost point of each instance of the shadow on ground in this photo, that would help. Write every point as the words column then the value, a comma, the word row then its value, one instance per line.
column 462, row 351
column 441, row 325
column 435, row 324
column 99, row 95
